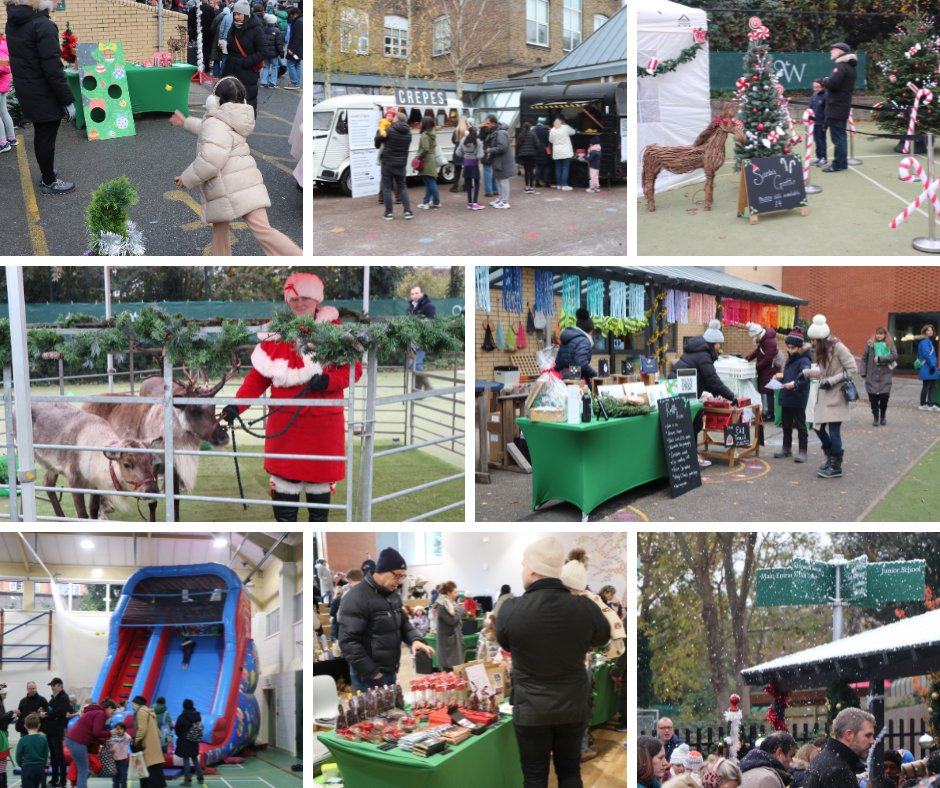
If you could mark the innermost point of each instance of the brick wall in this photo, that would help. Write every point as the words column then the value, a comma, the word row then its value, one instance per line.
column 856, row 299
column 345, row 551
column 133, row 24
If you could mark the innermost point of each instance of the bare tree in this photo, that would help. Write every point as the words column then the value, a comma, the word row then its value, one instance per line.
column 472, row 32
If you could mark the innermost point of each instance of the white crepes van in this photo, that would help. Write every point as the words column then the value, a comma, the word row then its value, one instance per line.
column 331, row 132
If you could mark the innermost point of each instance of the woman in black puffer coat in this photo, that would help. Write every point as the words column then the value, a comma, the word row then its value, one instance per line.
column 246, row 48
column 577, row 343
column 186, row 749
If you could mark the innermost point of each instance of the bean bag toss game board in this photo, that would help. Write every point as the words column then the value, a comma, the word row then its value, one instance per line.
column 105, row 97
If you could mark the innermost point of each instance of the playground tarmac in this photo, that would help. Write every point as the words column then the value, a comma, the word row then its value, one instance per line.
column 759, row 489
column 548, row 222
column 170, row 218
column 849, row 217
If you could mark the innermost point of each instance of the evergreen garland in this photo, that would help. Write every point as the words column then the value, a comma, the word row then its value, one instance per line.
column 618, row 409
column 933, row 707
column 654, row 68
column 840, row 696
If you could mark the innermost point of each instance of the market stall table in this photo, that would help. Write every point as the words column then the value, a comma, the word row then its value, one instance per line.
column 151, row 89
column 587, row 464
column 490, row 759
column 605, row 705
column 469, row 647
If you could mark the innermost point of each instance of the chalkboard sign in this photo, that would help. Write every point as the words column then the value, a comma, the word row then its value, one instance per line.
column 738, row 435
column 774, row 183
column 675, row 424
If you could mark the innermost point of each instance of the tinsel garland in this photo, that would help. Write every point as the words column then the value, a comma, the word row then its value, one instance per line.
column 512, row 289
column 655, row 315
column 777, row 711
column 68, row 44
column 483, row 288
column 668, row 66
column 184, row 343
column 595, row 297
column 570, row 293
column 200, row 64
column 544, row 291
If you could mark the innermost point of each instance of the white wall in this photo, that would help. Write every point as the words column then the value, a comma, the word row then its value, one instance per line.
column 479, row 563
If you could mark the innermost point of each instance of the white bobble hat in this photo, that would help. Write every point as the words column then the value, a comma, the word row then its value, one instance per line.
column 819, row 329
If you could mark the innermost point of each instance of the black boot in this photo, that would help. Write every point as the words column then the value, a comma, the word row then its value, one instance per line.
column 285, row 514
column 801, row 454
column 884, row 421
column 825, row 465
column 785, row 451
column 834, row 471
column 318, row 515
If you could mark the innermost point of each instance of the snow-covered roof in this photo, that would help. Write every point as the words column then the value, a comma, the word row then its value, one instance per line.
column 889, row 651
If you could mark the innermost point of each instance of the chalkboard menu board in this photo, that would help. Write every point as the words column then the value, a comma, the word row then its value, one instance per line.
column 774, row 183
column 675, row 424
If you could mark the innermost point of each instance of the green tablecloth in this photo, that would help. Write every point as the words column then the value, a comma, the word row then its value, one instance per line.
column 469, row 647
column 151, row 89
column 605, row 704
column 587, row 464
column 491, row 760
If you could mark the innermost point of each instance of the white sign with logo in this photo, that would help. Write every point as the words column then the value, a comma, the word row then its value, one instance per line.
column 365, row 172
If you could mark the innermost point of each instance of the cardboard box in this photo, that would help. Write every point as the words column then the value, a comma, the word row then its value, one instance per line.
column 496, row 672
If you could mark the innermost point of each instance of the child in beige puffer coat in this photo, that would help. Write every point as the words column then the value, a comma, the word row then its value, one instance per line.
column 225, row 172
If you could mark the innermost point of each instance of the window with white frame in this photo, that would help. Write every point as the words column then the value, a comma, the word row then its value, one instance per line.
column 571, row 25
column 599, row 20
column 441, row 45
column 418, row 548
column 299, row 607
column 396, row 36
column 78, row 596
column 536, row 22
column 272, row 623
column 354, row 31
column 11, row 594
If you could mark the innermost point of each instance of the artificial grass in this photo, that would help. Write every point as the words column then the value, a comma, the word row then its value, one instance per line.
column 916, row 497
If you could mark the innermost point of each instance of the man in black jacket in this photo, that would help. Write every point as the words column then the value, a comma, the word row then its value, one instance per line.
column 420, row 306
column 768, row 764
column 396, row 146
column 245, row 50
column 54, row 722
column 373, row 625
column 33, row 701
column 853, row 733
column 43, row 93
column 548, row 631
column 839, row 86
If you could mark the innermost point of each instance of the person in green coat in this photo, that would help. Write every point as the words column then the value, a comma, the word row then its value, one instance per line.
column 426, row 152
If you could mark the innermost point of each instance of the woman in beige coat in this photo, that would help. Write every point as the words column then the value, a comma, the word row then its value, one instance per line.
column 147, row 734
column 833, row 363
column 225, row 172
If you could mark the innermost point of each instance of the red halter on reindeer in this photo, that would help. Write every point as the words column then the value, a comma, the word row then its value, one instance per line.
column 707, row 153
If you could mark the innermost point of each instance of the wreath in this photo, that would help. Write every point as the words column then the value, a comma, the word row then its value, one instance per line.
column 777, row 711
column 655, row 68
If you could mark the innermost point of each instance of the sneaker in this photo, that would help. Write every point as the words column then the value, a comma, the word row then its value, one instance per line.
column 779, row 455
column 409, row 215
column 820, row 162
column 435, row 205
column 589, row 191
column 503, row 205
column 934, row 408
column 13, row 141
column 292, row 87
column 588, row 754
column 703, row 463
column 924, row 407
column 494, row 203
column 566, row 188
column 5, row 146
column 388, row 217
column 477, row 207
column 801, row 456
column 470, row 205
column 58, row 187
column 423, row 206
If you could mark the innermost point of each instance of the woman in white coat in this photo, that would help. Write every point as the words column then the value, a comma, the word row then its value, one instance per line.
column 225, row 172
column 562, row 152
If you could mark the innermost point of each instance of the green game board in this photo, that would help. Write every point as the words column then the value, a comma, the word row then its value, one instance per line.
column 106, row 100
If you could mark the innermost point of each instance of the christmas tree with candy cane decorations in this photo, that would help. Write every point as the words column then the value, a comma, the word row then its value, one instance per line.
column 762, row 105
column 909, row 68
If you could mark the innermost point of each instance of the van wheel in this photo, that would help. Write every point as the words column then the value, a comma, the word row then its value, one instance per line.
column 447, row 173
column 345, row 183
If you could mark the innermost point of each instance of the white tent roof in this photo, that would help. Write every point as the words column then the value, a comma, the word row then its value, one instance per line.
column 671, row 108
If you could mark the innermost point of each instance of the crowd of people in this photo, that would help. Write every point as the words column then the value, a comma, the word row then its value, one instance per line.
column 46, row 731
column 837, row 760
column 483, row 156
column 543, row 637
column 820, row 356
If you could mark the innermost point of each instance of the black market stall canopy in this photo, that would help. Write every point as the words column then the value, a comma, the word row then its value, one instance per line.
column 909, row 647
column 696, row 279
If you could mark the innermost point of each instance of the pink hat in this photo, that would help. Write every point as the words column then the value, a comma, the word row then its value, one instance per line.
column 305, row 286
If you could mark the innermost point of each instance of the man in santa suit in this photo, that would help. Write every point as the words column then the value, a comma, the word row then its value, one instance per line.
column 289, row 374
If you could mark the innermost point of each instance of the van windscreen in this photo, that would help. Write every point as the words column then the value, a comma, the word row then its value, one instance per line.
column 322, row 121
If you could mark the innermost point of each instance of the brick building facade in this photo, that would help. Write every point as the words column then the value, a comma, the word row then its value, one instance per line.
column 517, row 42
column 856, row 299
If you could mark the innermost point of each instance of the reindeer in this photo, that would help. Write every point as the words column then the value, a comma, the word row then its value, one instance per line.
column 192, row 424
column 707, row 152
column 113, row 468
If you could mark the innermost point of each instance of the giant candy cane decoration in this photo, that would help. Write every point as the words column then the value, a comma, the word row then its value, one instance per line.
column 920, row 94
column 929, row 193
column 808, row 122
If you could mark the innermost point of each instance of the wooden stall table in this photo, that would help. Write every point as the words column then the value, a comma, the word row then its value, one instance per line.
column 720, row 451
column 490, row 759
column 154, row 89
column 587, row 464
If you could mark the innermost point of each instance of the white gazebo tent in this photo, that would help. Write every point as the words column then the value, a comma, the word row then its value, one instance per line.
column 671, row 108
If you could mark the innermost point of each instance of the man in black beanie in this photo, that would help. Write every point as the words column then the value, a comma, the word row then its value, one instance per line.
column 373, row 624
column 577, row 344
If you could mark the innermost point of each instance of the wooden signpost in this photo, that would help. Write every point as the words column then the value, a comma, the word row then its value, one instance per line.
column 774, row 183
column 675, row 424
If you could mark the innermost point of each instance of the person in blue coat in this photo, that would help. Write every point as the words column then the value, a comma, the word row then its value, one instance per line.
column 576, row 344
column 794, row 395
column 927, row 369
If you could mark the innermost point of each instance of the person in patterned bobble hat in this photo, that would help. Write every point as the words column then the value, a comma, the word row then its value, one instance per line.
column 289, row 374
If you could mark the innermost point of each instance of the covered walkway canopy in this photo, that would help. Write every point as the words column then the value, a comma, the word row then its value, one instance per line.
column 601, row 54
column 909, row 647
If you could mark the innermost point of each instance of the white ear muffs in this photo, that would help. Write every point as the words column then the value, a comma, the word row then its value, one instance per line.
column 212, row 101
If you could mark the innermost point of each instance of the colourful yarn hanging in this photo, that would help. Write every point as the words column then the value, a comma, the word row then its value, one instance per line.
column 512, row 289
column 570, row 293
column 595, row 296
column 483, row 288
column 544, row 291
column 618, row 300
column 637, row 301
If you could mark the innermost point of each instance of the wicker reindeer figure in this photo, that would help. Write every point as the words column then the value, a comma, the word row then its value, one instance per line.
column 707, row 152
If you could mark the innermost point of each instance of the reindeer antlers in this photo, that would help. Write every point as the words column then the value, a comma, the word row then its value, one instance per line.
column 197, row 385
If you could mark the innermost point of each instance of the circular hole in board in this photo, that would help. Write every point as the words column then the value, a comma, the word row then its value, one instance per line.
column 89, row 82
column 97, row 115
column 115, row 92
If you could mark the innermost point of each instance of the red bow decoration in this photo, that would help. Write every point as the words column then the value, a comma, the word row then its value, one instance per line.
column 698, row 35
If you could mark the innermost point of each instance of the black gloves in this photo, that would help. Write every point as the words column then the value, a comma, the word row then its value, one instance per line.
column 229, row 412
column 825, row 385
column 318, row 383
column 734, row 402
